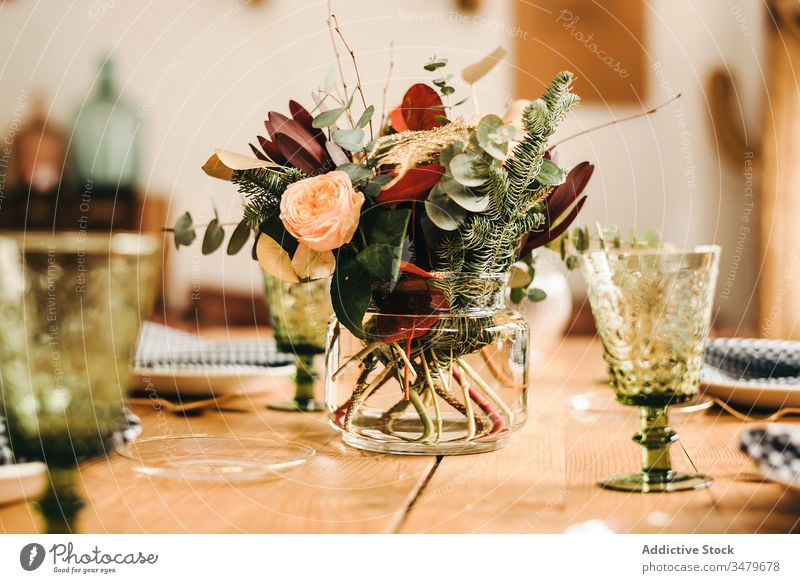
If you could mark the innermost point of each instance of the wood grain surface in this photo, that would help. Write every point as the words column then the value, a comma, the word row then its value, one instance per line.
column 543, row 482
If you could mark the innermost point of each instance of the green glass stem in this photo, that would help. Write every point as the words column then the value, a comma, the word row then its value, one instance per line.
column 61, row 503
column 655, row 438
column 305, row 378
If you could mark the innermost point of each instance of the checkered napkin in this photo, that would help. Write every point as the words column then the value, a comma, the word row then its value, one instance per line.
column 754, row 359
column 161, row 347
column 131, row 429
column 776, row 450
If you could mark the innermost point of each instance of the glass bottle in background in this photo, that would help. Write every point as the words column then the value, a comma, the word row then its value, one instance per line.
column 105, row 143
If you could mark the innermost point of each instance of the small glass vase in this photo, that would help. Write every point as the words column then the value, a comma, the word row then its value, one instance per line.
column 299, row 313
column 652, row 309
column 441, row 368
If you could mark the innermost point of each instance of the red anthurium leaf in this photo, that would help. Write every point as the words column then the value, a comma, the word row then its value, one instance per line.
column 397, row 120
column 283, row 125
column 421, row 106
column 300, row 115
column 411, row 295
column 414, row 184
column 407, row 267
column 297, row 155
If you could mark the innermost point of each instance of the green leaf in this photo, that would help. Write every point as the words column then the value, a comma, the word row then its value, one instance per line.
column 214, row 237
column 450, row 152
column 386, row 225
column 462, row 169
column 536, row 294
column 356, row 172
column 351, row 292
column 442, row 81
column 551, row 174
column 442, row 211
column 238, row 239
column 273, row 228
column 486, row 126
column 349, row 139
column 435, row 63
column 184, row 231
column 517, row 293
column 365, row 117
column 327, row 118
column 572, row 262
column 463, row 197
column 381, row 260
column 447, row 90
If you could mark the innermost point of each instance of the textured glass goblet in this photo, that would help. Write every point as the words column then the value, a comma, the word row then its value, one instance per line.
column 652, row 308
column 299, row 313
column 71, row 305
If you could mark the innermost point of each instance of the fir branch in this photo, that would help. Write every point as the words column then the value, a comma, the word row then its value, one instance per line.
column 263, row 189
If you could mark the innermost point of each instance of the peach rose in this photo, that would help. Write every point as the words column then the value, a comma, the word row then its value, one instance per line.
column 322, row 211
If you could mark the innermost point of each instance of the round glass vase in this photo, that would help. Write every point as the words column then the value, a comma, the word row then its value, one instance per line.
column 441, row 368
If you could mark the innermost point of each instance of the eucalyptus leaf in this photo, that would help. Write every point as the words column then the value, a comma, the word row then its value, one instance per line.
column 443, row 212
column 450, row 152
column 365, row 117
column 214, row 237
column 350, row 139
column 462, row 169
column 327, row 118
column 356, row 172
column 517, row 294
column 447, row 90
column 351, row 292
column 536, row 294
column 486, row 126
column 238, row 239
column 463, row 197
column 551, row 174
column 435, row 63
column 184, row 232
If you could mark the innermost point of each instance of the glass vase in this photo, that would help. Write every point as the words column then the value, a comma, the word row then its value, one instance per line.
column 652, row 309
column 440, row 369
column 71, row 305
column 299, row 313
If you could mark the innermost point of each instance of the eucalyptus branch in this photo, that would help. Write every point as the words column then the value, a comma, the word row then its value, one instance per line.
column 617, row 121
column 355, row 67
column 335, row 47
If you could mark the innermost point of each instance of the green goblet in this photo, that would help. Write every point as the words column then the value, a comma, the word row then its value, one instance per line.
column 299, row 313
column 652, row 308
column 71, row 305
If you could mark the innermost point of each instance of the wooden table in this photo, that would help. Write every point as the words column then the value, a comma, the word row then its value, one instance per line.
column 544, row 481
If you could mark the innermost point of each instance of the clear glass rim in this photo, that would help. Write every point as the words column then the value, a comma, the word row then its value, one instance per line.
column 663, row 251
column 125, row 243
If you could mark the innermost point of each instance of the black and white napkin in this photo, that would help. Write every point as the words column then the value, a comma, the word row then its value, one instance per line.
column 161, row 347
column 130, row 430
column 754, row 360
column 776, row 450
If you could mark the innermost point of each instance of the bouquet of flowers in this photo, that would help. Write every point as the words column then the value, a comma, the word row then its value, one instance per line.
column 420, row 218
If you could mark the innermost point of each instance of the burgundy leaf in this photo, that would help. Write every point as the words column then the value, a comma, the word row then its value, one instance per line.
column 271, row 149
column 283, row 125
column 298, row 155
column 300, row 115
column 543, row 238
column 258, row 153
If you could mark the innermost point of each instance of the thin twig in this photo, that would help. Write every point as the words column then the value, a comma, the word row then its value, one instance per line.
column 336, row 48
column 384, row 121
column 355, row 66
column 484, row 386
column 616, row 121
column 436, row 409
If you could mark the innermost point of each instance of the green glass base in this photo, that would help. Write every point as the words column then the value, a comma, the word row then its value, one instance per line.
column 645, row 483
column 298, row 406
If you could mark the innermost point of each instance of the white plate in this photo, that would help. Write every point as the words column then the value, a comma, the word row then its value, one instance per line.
column 217, row 380
column 21, row 482
column 759, row 394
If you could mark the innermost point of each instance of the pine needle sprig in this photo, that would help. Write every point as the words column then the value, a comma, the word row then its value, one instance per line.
column 263, row 189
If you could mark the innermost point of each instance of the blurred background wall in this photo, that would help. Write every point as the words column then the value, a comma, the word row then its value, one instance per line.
column 203, row 73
